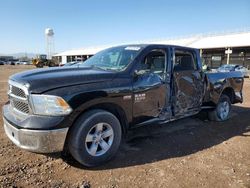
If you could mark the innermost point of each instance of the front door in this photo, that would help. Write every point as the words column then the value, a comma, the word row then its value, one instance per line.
column 149, row 85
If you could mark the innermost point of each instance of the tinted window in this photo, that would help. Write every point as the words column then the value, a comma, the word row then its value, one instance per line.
column 184, row 61
column 154, row 62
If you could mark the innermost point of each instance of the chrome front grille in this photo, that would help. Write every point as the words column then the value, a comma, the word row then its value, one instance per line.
column 18, row 95
column 17, row 91
column 20, row 106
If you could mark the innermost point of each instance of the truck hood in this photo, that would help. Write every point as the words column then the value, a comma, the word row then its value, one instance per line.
column 41, row 80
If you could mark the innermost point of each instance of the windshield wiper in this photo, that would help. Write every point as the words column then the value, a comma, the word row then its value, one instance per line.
column 96, row 67
column 103, row 68
column 91, row 67
column 99, row 68
column 110, row 69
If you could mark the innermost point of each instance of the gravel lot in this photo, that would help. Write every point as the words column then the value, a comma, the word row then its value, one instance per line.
column 187, row 153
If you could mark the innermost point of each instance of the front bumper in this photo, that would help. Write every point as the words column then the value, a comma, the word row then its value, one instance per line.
column 39, row 141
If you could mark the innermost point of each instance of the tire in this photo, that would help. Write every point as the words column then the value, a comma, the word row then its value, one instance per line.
column 39, row 65
column 222, row 110
column 95, row 138
column 52, row 64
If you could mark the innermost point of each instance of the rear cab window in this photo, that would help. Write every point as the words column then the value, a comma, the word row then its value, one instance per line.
column 185, row 61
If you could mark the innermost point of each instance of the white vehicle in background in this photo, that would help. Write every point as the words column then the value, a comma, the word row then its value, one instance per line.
column 21, row 63
column 18, row 63
column 26, row 63
column 233, row 67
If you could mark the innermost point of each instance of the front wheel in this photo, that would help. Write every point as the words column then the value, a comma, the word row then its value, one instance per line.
column 222, row 110
column 95, row 138
column 51, row 64
column 39, row 65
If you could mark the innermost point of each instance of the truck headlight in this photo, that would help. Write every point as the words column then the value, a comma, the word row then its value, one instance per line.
column 49, row 105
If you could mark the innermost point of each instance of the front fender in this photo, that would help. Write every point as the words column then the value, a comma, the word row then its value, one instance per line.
column 83, row 97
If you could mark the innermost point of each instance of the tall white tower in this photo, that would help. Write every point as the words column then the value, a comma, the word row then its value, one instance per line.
column 50, row 46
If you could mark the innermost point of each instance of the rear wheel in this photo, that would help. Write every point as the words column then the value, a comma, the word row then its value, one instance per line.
column 95, row 138
column 39, row 64
column 51, row 64
column 222, row 110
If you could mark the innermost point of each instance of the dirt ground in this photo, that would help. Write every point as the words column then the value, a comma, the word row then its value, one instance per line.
column 187, row 153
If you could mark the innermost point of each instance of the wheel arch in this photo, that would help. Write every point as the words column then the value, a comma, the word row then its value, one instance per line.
column 229, row 91
column 113, row 108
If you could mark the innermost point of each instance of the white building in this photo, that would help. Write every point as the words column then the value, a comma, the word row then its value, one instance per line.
column 212, row 46
column 78, row 54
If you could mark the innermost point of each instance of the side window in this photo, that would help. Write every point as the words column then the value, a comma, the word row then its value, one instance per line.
column 184, row 61
column 114, row 58
column 154, row 62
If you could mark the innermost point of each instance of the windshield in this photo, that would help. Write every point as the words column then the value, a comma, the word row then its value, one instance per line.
column 117, row 58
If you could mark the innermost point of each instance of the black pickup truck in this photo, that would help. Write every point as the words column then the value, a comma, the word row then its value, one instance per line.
column 87, row 108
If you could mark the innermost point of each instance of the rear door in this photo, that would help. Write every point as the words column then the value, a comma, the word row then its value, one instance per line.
column 150, row 89
column 188, row 81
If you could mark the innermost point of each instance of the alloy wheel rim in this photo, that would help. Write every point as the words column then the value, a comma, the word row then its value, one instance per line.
column 99, row 139
column 223, row 110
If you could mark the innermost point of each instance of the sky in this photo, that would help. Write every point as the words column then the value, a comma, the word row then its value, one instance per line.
column 85, row 23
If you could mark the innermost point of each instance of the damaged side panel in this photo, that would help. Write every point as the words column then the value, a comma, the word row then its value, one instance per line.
column 188, row 92
column 219, row 82
column 188, row 82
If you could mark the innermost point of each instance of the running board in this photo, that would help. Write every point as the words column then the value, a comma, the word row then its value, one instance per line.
column 207, row 107
column 160, row 121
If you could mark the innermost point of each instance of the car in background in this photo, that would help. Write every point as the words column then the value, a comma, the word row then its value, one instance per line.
column 233, row 67
column 21, row 63
column 18, row 63
column 26, row 63
column 11, row 63
column 2, row 63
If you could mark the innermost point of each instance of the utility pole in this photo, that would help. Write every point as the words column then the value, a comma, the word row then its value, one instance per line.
column 228, row 52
